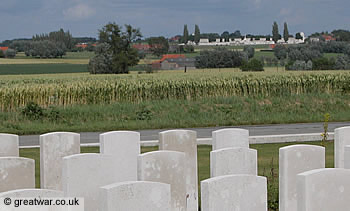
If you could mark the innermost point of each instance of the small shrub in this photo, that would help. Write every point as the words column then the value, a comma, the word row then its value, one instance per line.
column 299, row 65
column 144, row 114
column 253, row 65
column 53, row 114
column 33, row 111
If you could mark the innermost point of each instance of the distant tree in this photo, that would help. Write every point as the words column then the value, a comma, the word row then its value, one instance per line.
column 285, row 32
column 341, row 35
column 342, row 62
column 10, row 53
column 158, row 45
column 186, row 49
column 197, row 34
column 236, row 34
column 2, row 54
column 249, row 50
column 280, row 52
column 185, row 35
column 323, row 63
column 275, row 32
column 253, row 65
column 211, row 36
column 298, row 36
column 225, row 36
column 123, row 54
column 101, row 63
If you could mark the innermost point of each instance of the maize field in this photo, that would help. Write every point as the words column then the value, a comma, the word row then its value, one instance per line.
column 17, row 91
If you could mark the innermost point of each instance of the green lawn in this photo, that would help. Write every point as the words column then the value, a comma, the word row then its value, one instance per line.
column 267, row 162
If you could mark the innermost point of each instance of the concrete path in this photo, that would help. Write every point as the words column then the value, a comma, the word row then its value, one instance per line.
column 255, row 130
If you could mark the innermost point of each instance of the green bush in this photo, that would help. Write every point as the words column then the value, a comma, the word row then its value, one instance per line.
column 323, row 63
column 2, row 55
column 253, row 65
column 33, row 111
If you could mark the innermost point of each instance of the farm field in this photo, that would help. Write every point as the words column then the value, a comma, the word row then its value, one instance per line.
column 78, row 89
column 43, row 68
column 267, row 163
column 21, row 64
column 164, row 99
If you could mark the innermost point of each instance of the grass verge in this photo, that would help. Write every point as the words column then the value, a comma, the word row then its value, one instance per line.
column 267, row 163
column 223, row 111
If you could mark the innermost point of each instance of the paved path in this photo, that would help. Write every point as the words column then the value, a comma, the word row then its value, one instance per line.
column 254, row 130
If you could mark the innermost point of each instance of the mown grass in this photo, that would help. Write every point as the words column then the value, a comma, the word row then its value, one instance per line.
column 29, row 69
column 220, row 111
column 267, row 162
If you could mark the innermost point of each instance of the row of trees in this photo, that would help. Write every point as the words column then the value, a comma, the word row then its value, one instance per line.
column 59, row 36
column 224, row 58
column 186, row 37
column 276, row 35
column 311, row 56
column 45, row 49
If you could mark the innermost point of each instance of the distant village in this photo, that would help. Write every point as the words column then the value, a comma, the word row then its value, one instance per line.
column 248, row 41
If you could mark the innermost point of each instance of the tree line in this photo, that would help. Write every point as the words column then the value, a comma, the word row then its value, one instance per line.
column 311, row 56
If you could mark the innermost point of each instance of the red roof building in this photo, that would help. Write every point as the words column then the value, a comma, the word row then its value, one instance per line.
column 4, row 48
column 328, row 38
column 157, row 64
column 83, row 45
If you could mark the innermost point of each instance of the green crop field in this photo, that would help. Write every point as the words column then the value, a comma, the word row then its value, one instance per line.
column 105, row 89
column 19, row 69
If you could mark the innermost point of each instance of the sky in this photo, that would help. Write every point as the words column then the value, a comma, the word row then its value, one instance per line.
column 23, row 18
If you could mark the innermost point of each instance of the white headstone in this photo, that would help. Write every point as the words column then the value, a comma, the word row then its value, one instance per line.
column 324, row 190
column 124, row 146
column 53, row 147
column 165, row 167
column 84, row 174
column 9, row 146
column 32, row 193
column 341, row 139
column 294, row 160
column 231, row 137
column 347, row 157
column 184, row 141
column 234, row 192
column 135, row 196
column 16, row 173
column 230, row 161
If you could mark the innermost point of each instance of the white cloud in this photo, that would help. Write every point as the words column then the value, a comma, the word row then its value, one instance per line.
column 78, row 12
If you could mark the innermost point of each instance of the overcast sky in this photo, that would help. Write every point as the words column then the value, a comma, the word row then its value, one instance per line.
column 23, row 18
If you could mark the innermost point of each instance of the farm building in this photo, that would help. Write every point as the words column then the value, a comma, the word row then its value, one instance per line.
column 174, row 62
column 178, row 63
column 4, row 48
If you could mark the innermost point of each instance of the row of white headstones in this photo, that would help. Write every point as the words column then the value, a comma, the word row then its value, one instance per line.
column 120, row 178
